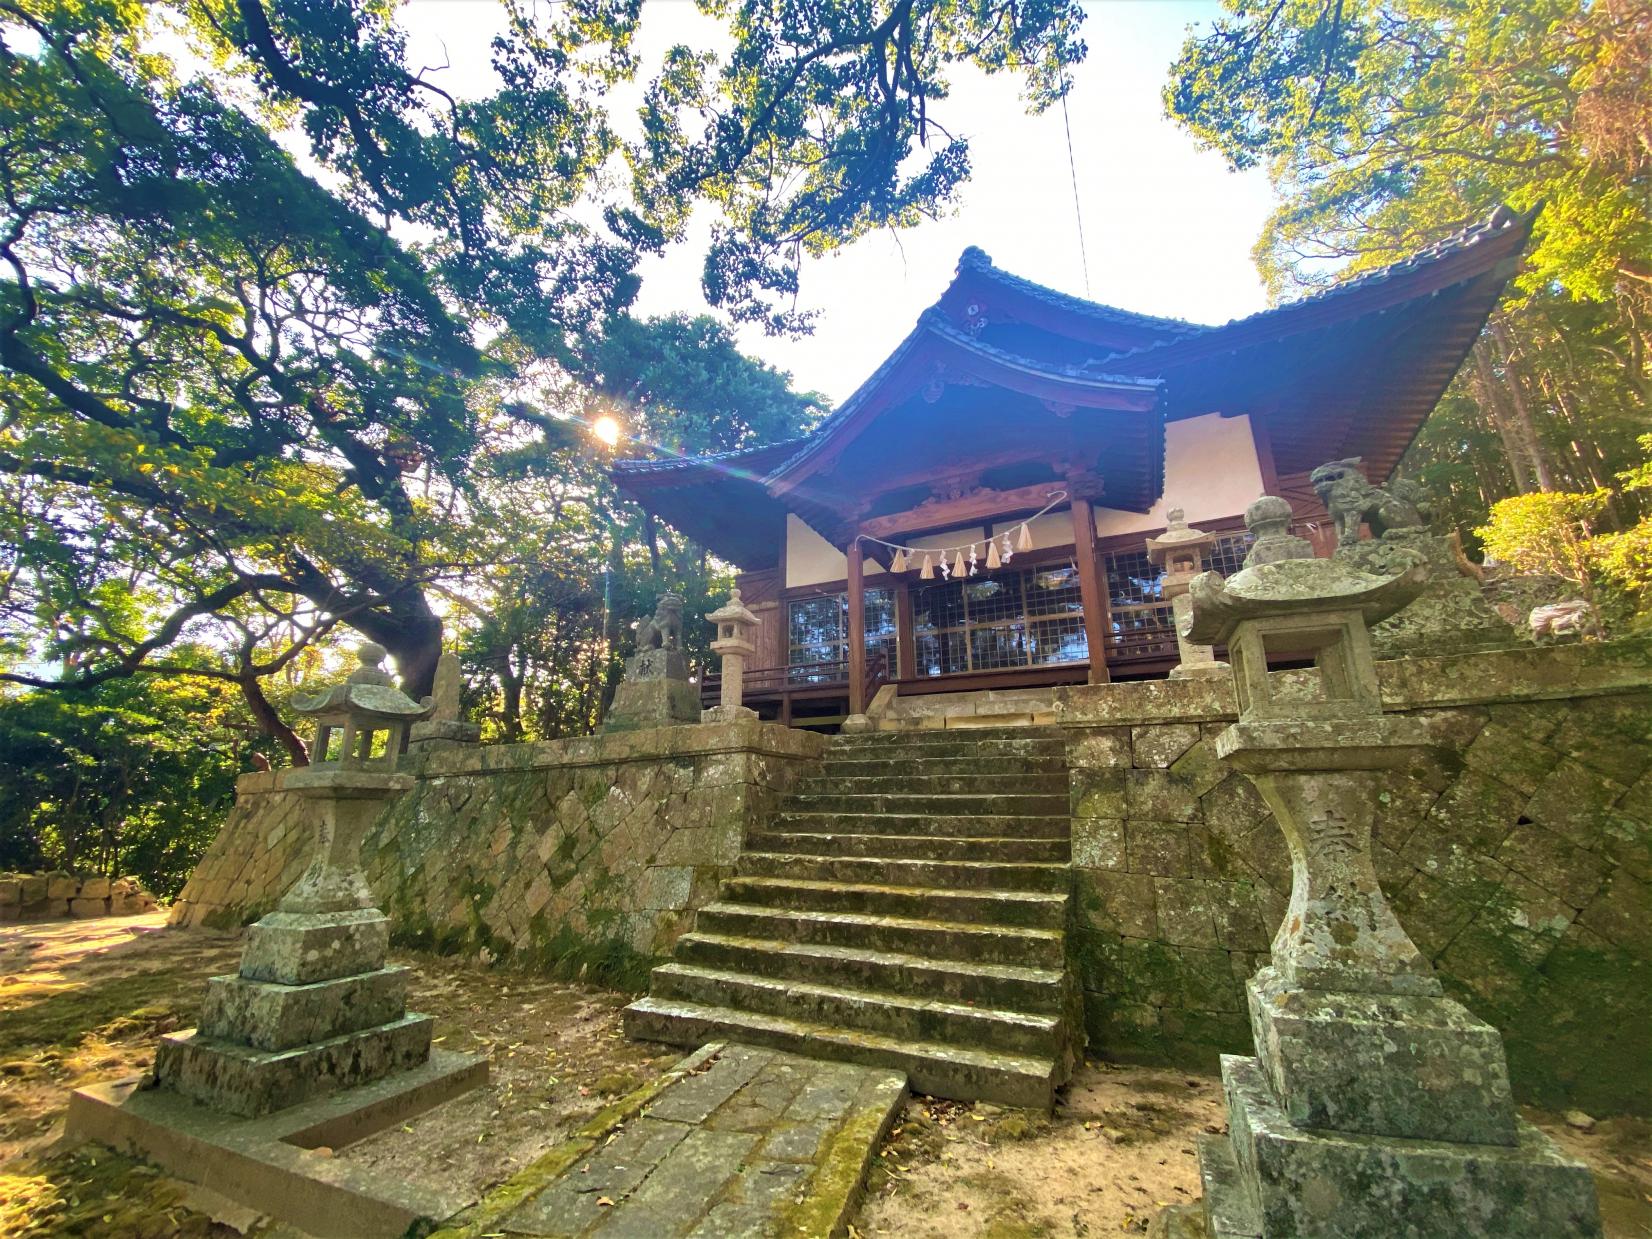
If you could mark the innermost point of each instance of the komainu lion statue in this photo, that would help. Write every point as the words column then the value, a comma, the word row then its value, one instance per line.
column 1561, row 621
column 664, row 630
column 1351, row 499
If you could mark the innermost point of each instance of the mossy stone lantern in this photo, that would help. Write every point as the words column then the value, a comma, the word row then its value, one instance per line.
column 362, row 724
column 1372, row 1094
column 361, row 728
column 734, row 645
column 314, row 1008
column 1180, row 553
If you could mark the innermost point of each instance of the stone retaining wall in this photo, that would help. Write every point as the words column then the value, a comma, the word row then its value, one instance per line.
column 587, row 851
column 1521, row 863
column 46, row 896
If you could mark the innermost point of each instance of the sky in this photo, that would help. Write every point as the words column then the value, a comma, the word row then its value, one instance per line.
column 1168, row 229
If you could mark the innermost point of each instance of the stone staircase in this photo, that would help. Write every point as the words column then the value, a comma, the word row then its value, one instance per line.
column 906, row 908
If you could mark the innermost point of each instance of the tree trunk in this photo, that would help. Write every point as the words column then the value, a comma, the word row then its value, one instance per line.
column 269, row 722
column 611, row 624
column 510, row 688
column 651, row 535
column 1525, row 424
column 1491, row 400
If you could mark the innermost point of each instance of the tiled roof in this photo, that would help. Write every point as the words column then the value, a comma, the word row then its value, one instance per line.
column 976, row 259
column 1134, row 368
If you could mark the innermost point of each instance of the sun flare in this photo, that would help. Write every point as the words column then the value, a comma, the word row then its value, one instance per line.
column 606, row 430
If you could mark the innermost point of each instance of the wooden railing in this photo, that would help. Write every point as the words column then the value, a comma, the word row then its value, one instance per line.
column 770, row 681
column 877, row 672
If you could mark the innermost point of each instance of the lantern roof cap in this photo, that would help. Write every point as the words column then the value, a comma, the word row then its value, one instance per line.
column 368, row 693
column 1177, row 535
column 1296, row 587
column 733, row 611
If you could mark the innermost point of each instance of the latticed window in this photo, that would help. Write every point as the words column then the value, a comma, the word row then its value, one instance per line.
column 817, row 635
column 1018, row 618
column 1142, row 623
column 1228, row 555
column 1143, row 626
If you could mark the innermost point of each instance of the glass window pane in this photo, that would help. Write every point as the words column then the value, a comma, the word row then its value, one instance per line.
column 815, row 635
column 982, row 623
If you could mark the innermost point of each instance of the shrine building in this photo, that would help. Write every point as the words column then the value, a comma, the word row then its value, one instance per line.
column 974, row 516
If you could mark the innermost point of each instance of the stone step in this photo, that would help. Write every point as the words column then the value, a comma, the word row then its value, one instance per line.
column 919, row 763
column 804, row 820
column 937, row 940
column 948, row 744
column 1230, row 1210
column 931, row 1067
column 961, row 782
column 993, row 985
column 915, row 847
column 941, row 735
column 947, row 873
column 938, row 804
column 873, row 1011
column 1036, row 909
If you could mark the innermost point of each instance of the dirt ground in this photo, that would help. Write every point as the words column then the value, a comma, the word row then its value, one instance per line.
column 1120, row 1146
column 82, row 1001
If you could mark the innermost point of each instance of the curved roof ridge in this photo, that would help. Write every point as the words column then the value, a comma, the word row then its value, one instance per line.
column 1500, row 221
column 1085, row 371
column 974, row 258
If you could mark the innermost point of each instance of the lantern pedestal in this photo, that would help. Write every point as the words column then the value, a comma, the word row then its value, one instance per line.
column 1375, row 1106
column 313, row 1008
column 734, row 625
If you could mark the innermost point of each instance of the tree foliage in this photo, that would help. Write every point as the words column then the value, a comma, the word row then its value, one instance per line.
column 293, row 338
column 1387, row 124
column 130, row 776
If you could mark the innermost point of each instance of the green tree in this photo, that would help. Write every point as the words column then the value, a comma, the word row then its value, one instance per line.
column 544, row 632
column 1387, row 124
column 246, row 396
column 129, row 776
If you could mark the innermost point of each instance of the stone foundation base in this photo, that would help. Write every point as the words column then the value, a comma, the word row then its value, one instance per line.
column 1201, row 671
column 263, row 1163
column 1411, row 1066
column 297, row 948
column 266, row 1015
column 1279, row 1181
column 727, row 714
column 652, row 703
column 434, row 735
column 241, row 1080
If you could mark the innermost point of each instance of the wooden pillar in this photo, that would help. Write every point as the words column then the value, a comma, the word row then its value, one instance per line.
column 906, row 648
column 1092, row 590
column 857, row 631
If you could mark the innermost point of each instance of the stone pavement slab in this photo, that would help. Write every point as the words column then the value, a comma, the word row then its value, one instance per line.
column 748, row 1143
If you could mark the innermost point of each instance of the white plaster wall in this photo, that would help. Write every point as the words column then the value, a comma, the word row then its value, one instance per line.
column 811, row 560
column 1051, row 529
column 1210, row 471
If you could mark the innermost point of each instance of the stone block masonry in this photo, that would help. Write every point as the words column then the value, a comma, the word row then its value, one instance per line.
column 1521, row 863
column 47, row 896
column 593, row 851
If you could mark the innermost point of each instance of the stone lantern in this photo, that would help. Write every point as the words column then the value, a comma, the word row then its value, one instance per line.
column 313, row 1008
column 1180, row 554
column 1375, row 1105
column 733, row 643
